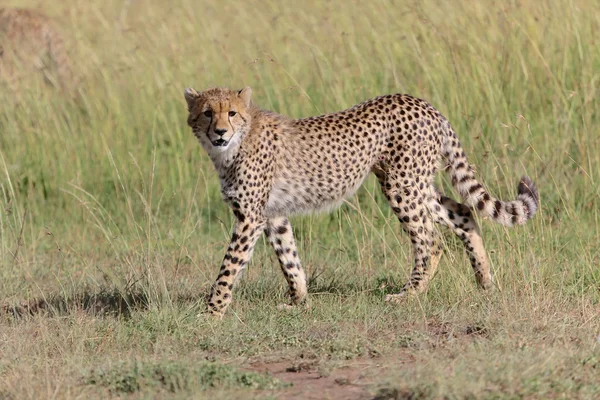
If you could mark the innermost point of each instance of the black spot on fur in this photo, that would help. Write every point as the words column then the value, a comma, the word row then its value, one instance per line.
column 240, row 217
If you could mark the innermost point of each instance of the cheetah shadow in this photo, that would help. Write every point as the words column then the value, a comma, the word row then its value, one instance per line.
column 104, row 302
column 376, row 287
column 100, row 303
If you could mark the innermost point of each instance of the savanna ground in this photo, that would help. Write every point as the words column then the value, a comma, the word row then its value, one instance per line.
column 112, row 227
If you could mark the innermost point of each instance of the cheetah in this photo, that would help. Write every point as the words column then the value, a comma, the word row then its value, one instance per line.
column 271, row 166
column 30, row 43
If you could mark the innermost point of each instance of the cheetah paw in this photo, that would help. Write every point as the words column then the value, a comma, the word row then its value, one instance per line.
column 212, row 314
column 288, row 306
column 486, row 284
column 397, row 298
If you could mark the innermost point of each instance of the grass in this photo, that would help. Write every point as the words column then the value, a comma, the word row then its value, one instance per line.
column 112, row 227
column 175, row 377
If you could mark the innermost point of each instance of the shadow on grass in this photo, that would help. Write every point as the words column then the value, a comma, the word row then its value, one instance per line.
column 105, row 302
column 121, row 303
column 333, row 284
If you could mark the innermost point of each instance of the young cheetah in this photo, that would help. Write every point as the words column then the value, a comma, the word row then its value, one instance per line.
column 30, row 42
column 271, row 166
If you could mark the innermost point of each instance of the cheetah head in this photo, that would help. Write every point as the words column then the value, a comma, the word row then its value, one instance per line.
column 219, row 117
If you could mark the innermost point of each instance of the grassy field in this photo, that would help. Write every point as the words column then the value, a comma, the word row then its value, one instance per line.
column 112, row 227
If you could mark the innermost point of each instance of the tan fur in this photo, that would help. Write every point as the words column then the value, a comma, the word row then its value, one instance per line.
column 30, row 43
column 271, row 167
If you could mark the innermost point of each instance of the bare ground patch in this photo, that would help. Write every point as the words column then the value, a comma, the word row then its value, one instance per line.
column 360, row 377
column 313, row 381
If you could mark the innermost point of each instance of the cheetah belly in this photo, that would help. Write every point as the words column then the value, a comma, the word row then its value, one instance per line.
column 293, row 196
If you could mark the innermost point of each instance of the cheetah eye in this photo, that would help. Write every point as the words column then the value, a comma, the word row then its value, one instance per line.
column 208, row 113
column 232, row 113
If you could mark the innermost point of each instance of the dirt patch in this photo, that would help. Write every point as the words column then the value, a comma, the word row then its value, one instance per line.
column 446, row 332
column 313, row 380
column 358, row 378
column 309, row 383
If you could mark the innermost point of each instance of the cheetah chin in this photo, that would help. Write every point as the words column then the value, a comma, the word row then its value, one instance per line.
column 220, row 143
column 271, row 166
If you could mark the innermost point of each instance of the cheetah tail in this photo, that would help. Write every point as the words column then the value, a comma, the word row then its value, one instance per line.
column 507, row 213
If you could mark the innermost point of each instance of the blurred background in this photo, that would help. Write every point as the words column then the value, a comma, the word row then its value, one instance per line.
column 101, row 180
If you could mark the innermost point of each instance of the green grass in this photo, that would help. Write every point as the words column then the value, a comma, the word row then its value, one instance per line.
column 112, row 227
column 175, row 377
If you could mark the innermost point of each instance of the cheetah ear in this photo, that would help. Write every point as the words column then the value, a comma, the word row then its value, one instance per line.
column 245, row 94
column 190, row 96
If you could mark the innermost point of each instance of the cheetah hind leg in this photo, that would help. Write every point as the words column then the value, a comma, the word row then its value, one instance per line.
column 409, row 289
column 411, row 210
column 459, row 219
column 280, row 235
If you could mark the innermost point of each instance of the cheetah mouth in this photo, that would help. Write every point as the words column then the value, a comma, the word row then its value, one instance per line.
column 220, row 142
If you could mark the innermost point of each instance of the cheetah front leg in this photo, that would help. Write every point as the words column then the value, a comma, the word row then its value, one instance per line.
column 246, row 232
column 281, row 237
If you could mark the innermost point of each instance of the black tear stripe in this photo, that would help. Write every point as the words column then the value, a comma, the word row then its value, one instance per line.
column 209, row 125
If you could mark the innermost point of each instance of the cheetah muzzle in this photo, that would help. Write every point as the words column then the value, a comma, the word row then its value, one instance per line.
column 271, row 166
column 220, row 143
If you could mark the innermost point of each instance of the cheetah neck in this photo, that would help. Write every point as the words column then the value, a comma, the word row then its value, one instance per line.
column 226, row 160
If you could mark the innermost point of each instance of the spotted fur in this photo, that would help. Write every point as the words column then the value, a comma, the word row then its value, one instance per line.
column 271, row 166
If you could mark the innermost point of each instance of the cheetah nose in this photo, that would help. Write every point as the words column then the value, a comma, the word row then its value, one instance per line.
column 220, row 131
